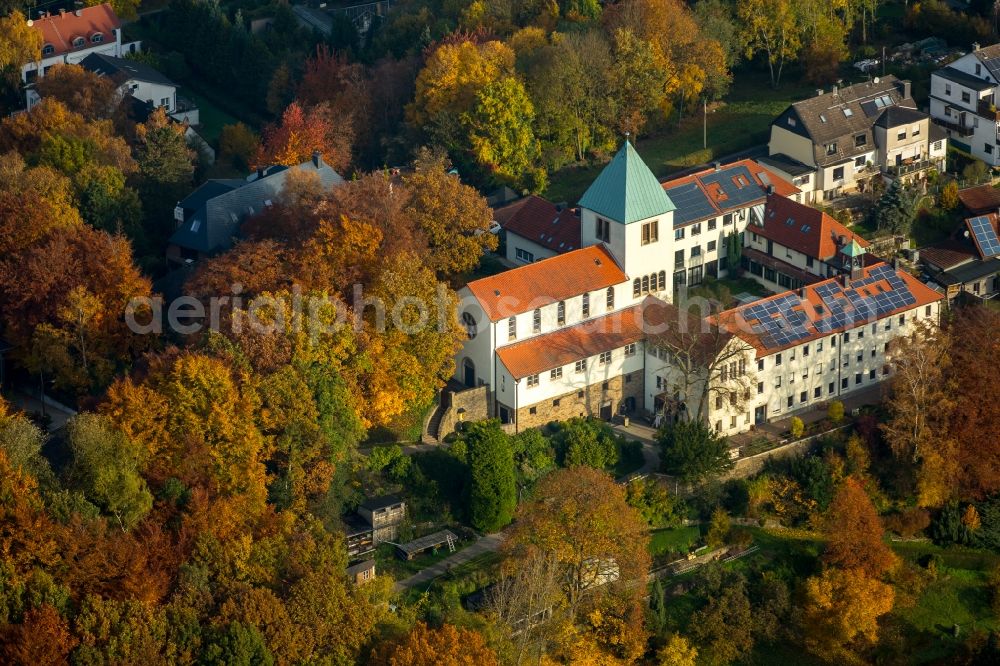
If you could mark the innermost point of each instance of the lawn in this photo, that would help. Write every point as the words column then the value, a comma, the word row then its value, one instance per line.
column 741, row 122
column 211, row 117
column 726, row 289
column 673, row 540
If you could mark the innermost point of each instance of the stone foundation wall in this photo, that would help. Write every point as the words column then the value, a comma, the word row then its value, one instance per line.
column 475, row 402
column 573, row 404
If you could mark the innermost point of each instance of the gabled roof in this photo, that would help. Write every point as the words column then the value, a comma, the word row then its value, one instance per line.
column 836, row 117
column 980, row 199
column 793, row 318
column 990, row 57
column 948, row 254
column 376, row 503
column 60, row 30
column 573, row 343
column 213, row 213
column 554, row 279
column 626, row 190
column 803, row 228
column 722, row 189
column 125, row 69
column 540, row 221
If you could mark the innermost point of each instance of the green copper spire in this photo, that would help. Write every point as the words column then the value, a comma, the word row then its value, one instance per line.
column 626, row 190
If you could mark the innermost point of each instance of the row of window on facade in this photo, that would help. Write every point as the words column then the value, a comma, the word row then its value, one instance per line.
column 604, row 358
column 651, row 229
column 859, row 358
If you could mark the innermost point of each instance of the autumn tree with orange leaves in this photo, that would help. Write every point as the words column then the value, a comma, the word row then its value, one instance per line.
column 446, row 645
column 301, row 132
column 855, row 533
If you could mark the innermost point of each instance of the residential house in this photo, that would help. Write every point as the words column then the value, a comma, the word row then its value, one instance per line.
column 385, row 514
column 967, row 265
column 535, row 228
column 137, row 79
column 964, row 102
column 980, row 200
column 358, row 536
column 713, row 205
column 209, row 219
column 361, row 572
column 70, row 36
column 791, row 245
column 837, row 142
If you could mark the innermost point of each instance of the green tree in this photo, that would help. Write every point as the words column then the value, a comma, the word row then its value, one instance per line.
column 106, row 466
column 533, row 454
column 639, row 80
column 492, row 485
column 723, row 629
column 107, row 203
column 19, row 42
column 692, row 451
column 500, row 130
column 948, row 199
column 771, row 27
column 718, row 528
column 162, row 152
column 585, row 442
column 236, row 644
column 796, row 427
column 893, row 213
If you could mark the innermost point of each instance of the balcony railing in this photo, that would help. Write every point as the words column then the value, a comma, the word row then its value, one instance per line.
column 906, row 169
column 960, row 130
column 988, row 110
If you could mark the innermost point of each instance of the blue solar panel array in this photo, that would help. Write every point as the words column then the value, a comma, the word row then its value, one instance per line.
column 693, row 204
column 985, row 236
column 782, row 321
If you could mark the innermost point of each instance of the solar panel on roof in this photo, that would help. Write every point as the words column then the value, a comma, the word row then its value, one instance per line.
column 985, row 236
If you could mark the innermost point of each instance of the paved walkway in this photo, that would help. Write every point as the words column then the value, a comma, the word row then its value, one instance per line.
column 650, row 449
column 485, row 544
column 58, row 414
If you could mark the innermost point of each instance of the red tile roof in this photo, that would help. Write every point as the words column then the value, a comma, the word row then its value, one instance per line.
column 539, row 221
column 816, row 308
column 811, row 231
column 568, row 345
column 547, row 281
column 60, row 30
column 981, row 199
column 948, row 254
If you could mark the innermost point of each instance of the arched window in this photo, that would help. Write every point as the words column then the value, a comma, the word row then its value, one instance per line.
column 97, row 38
column 645, row 284
column 78, row 42
column 636, row 287
column 611, row 298
column 470, row 324
column 48, row 50
column 662, row 280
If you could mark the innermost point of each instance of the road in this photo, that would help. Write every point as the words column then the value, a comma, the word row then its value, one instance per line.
column 483, row 545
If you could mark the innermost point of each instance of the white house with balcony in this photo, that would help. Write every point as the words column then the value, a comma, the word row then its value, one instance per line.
column 964, row 102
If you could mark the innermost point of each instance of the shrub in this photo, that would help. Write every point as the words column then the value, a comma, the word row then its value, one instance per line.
column 796, row 427
column 718, row 529
column 909, row 523
column 835, row 412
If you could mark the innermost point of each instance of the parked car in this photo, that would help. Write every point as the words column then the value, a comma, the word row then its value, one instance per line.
column 867, row 64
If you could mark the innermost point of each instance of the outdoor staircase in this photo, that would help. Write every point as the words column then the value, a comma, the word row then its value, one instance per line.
column 432, row 426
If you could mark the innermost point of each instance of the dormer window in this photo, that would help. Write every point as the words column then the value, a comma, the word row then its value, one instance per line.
column 97, row 38
column 48, row 50
column 831, row 149
column 78, row 42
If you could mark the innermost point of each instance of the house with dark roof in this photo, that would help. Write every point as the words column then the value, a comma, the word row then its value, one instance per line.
column 837, row 142
column 791, row 245
column 70, row 36
column 980, row 200
column 137, row 79
column 208, row 220
column 535, row 228
column 964, row 102
column 967, row 265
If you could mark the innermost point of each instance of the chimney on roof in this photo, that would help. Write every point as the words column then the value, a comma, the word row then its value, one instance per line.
column 819, row 91
column 62, row 13
column 770, row 188
column 975, row 46
column 317, row 159
column 904, row 89
column 260, row 172
column 833, row 90
column 78, row 12
column 717, row 165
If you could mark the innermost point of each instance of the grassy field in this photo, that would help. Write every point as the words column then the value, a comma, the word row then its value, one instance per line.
column 211, row 117
column 741, row 122
column 673, row 540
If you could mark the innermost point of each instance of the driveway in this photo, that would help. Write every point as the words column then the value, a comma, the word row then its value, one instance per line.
column 650, row 449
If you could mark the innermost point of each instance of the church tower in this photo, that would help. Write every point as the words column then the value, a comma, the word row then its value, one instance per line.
column 627, row 209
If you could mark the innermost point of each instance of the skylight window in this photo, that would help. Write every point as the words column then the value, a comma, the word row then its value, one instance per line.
column 848, row 113
column 805, row 228
column 790, row 221
column 822, row 117
column 195, row 225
